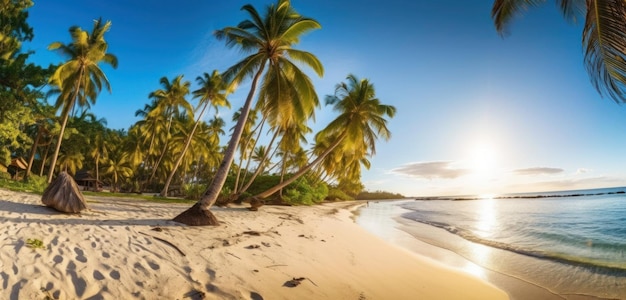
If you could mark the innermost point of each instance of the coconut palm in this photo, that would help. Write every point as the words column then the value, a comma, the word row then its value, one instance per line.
column 116, row 167
column 269, row 38
column 213, row 91
column 360, row 122
column 603, row 38
column 80, row 79
column 169, row 100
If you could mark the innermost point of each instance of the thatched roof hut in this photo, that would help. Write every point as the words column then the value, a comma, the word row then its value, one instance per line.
column 87, row 182
column 17, row 164
column 63, row 195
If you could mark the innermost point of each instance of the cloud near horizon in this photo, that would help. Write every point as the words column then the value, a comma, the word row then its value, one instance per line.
column 538, row 171
column 430, row 170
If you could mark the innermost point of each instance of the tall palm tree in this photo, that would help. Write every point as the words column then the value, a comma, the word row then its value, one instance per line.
column 269, row 39
column 603, row 38
column 169, row 101
column 80, row 79
column 360, row 122
column 213, row 91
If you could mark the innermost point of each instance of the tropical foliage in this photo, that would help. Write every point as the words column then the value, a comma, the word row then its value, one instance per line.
column 603, row 37
column 174, row 148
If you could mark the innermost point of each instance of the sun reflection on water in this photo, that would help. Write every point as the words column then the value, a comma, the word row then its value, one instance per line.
column 486, row 217
column 486, row 227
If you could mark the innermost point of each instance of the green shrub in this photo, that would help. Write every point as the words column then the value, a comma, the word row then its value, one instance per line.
column 302, row 192
column 337, row 195
column 194, row 191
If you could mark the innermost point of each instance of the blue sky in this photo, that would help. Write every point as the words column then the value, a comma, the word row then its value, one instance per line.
column 477, row 113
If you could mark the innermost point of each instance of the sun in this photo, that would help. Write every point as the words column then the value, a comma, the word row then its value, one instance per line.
column 483, row 160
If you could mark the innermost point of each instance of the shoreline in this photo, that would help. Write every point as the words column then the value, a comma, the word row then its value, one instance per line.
column 129, row 249
column 421, row 239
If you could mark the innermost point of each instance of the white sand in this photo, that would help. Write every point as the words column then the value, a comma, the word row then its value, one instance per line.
column 112, row 251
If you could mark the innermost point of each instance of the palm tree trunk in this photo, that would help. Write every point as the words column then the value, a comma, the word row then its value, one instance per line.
column 44, row 158
column 199, row 214
column 282, row 175
column 236, row 188
column 58, row 145
column 33, row 151
column 302, row 171
column 182, row 154
column 260, row 168
column 66, row 116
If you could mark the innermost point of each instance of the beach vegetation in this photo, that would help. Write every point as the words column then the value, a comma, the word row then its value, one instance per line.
column 305, row 192
column 603, row 37
column 36, row 244
column 344, row 145
column 378, row 195
column 273, row 155
column 335, row 194
column 20, row 81
column 34, row 184
column 213, row 91
column 78, row 81
column 286, row 93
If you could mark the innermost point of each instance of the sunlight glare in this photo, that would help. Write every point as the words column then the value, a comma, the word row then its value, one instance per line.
column 483, row 160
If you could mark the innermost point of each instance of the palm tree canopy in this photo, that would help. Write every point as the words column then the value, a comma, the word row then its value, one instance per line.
column 361, row 114
column 213, row 90
column 82, row 70
column 603, row 37
column 286, row 94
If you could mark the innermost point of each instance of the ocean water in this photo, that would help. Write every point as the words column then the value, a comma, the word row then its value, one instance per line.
column 572, row 243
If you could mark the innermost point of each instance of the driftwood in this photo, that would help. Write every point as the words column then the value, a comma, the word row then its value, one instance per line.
column 63, row 195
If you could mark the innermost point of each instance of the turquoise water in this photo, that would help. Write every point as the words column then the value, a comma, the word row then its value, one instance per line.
column 570, row 243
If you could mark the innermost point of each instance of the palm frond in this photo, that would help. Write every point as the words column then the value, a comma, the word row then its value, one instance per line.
column 503, row 11
column 604, row 40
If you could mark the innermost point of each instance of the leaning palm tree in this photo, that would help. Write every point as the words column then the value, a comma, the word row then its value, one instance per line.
column 213, row 91
column 270, row 39
column 604, row 37
column 80, row 79
column 360, row 122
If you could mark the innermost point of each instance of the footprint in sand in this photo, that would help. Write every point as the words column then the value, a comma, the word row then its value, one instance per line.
column 106, row 254
column 153, row 265
column 115, row 275
column 141, row 268
column 5, row 280
column 80, row 255
column 58, row 259
column 97, row 275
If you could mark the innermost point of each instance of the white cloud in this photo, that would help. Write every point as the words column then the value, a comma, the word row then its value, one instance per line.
column 538, row 171
column 430, row 170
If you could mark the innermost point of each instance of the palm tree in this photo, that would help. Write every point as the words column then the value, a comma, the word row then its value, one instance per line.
column 117, row 166
column 169, row 101
column 360, row 122
column 44, row 118
column 269, row 39
column 603, row 38
column 80, row 79
column 213, row 91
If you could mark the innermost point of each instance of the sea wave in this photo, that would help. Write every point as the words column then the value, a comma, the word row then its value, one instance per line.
column 593, row 265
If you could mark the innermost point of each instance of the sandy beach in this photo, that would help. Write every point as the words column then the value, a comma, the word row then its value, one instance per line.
column 128, row 249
